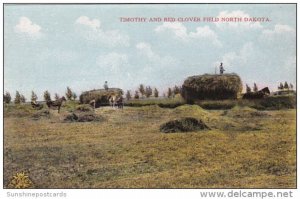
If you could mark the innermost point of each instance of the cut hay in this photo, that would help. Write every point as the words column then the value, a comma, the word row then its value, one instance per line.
column 244, row 112
column 41, row 114
column 72, row 117
column 82, row 117
column 101, row 96
column 215, row 87
column 183, row 125
column 84, row 108
column 191, row 111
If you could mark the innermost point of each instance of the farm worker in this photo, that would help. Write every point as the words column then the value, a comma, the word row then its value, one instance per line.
column 105, row 85
column 221, row 68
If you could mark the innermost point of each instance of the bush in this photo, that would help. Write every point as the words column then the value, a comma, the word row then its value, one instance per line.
column 183, row 125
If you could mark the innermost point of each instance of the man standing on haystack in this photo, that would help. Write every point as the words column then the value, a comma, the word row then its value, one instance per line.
column 105, row 85
column 221, row 68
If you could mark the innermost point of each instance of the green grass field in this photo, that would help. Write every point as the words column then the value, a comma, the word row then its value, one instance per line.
column 244, row 148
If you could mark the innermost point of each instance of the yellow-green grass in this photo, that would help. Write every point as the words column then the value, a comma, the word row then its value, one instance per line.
column 245, row 148
column 171, row 102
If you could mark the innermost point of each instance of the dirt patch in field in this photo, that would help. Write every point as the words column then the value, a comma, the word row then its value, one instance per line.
column 183, row 125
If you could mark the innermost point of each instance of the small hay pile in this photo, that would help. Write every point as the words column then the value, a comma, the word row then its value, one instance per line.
column 84, row 108
column 101, row 96
column 82, row 117
column 214, row 87
column 183, row 125
column 244, row 112
column 82, row 113
column 41, row 114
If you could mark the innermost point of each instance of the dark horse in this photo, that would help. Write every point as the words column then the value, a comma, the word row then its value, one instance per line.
column 257, row 95
column 56, row 103
column 119, row 102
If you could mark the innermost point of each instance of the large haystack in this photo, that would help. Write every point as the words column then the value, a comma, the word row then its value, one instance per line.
column 100, row 95
column 214, row 87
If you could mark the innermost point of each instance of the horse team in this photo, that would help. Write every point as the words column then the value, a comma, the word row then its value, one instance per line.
column 114, row 101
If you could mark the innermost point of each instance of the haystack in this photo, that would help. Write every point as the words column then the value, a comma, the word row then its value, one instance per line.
column 183, row 125
column 214, row 87
column 101, row 96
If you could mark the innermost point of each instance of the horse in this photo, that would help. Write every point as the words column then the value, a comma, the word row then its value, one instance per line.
column 119, row 102
column 257, row 95
column 36, row 105
column 56, row 103
column 265, row 90
column 116, row 100
column 112, row 100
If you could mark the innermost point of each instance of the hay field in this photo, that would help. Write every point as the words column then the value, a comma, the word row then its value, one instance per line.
column 244, row 148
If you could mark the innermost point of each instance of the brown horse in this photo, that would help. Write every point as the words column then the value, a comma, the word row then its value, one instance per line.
column 119, row 102
column 56, row 103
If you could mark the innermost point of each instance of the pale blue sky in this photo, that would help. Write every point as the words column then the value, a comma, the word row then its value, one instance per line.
column 50, row 47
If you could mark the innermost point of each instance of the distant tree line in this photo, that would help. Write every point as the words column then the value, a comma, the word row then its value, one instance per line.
column 248, row 89
column 147, row 91
column 281, row 87
column 285, row 86
column 19, row 98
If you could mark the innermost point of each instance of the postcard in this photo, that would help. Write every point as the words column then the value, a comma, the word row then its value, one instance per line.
column 147, row 96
